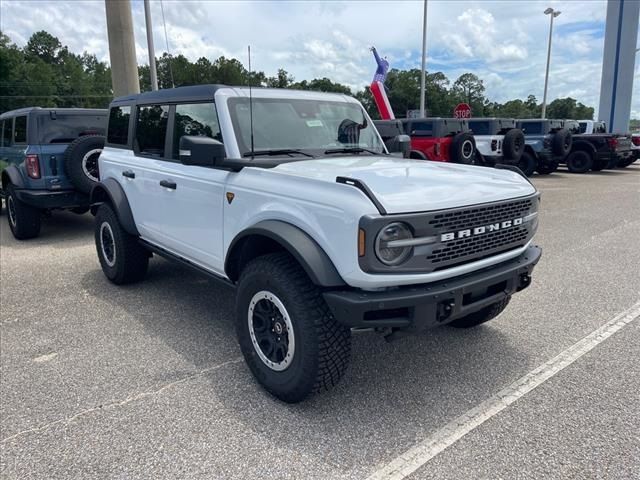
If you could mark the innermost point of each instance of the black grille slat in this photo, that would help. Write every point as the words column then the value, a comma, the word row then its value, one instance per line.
column 473, row 217
column 474, row 247
column 513, row 237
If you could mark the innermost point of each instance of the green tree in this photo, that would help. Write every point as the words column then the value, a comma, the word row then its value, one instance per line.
column 281, row 80
column 468, row 88
column 562, row 108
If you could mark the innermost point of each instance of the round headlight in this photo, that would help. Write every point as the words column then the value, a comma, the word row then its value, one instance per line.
column 386, row 251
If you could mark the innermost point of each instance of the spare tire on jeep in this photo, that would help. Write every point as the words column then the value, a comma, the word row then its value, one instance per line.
column 513, row 144
column 81, row 161
column 561, row 142
column 463, row 148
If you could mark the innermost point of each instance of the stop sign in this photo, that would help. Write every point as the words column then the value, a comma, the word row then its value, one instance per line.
column 462, row 110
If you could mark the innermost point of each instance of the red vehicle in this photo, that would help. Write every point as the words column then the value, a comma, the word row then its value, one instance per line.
column 436, row 139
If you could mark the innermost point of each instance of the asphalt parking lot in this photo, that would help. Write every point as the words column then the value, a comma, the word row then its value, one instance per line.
column 147, row 381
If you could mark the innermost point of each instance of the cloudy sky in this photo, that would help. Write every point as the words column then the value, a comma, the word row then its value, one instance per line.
column 503, row 42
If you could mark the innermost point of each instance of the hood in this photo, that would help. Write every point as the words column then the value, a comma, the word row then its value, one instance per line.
column 403, row 185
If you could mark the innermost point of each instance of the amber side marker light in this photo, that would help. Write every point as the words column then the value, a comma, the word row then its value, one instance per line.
column 361, row 243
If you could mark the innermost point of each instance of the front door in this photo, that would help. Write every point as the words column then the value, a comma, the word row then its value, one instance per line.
column 184, row 203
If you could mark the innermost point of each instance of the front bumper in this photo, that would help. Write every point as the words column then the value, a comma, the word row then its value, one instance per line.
column 418, row 307
column 47, row 199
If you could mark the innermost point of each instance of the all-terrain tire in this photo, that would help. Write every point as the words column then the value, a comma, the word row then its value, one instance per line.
column 561, row 142
column 23, row 219
column 527, row 163
column 547, row 168
column 513, row 144
column 81, row 161
column 626, row 162
column 322, row 347
column 122, row 258
column 579, row 162
column 481, row 316
column 463, row 148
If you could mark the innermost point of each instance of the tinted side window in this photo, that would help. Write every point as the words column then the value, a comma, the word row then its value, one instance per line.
column 583, row 127
column 151, row 129
column 118, row 131
column 65, row 128
column 20, row 130
column 422, row 129
column 532, row 128
column 6, row 132
column 198, row 119
column 480, row 128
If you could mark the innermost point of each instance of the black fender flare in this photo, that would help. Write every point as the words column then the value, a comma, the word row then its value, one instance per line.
column 417, row 155
column 109, row 190
column 583, row 146
column 12, row 175
column 313, row 259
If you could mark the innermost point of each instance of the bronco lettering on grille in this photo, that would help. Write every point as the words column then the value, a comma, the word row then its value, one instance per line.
column 470, row 232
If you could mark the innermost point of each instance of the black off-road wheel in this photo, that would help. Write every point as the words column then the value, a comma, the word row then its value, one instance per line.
column 287, row 334
column 561, row 142
column 122, row 258
column 81, row 161
column 23, row 219
column 547, row 168
column 579, row 162
column 481, row 316
column 513, row 144
column 527, row 163
column 463, row 148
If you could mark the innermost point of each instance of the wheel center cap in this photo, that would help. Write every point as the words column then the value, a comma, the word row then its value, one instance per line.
column 278, row 328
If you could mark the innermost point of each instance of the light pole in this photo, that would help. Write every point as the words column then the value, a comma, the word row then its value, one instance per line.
column 552, row 14
column 424, row 58
column 152, row 53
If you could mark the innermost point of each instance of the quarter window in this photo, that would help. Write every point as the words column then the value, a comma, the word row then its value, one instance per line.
column 20, row 130
column 6, row 132
column 422, row 129
column 151, row 129
column 118, row 131
column 197, row 119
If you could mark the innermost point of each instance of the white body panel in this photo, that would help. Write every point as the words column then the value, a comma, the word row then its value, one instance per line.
column 483, row 145
column 195, row 221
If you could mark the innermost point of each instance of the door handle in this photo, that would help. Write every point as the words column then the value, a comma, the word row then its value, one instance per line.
column 128, row 174
column 168, row 184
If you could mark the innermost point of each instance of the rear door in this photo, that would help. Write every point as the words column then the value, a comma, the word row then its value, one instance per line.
column 183, row 203
column 118, row 161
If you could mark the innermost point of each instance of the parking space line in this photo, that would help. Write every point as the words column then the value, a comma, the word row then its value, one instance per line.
column 421, row 453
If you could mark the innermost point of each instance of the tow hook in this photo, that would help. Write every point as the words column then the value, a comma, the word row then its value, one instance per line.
column 445, row 309
column 525, row 281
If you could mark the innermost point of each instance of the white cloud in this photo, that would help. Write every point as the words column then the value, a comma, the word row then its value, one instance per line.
column 504, row 42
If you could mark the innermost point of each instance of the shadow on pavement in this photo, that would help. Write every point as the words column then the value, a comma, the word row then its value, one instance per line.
column 399, row 390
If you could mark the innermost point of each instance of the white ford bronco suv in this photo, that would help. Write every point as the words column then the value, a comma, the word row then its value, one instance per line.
column 292, row 198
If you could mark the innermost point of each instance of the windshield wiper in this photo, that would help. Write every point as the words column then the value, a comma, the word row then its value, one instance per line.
column 352, row 150
column 280, row 151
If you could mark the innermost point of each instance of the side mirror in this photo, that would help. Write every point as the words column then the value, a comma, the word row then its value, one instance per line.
column 199, row 150
column 399, row 144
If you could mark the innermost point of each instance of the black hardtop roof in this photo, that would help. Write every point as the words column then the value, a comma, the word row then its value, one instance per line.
column 493, row 119
column 171, row 95
column 433, row 119
column 529, row 120
column 27, row 110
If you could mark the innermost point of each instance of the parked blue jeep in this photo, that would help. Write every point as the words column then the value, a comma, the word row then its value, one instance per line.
column 48, row 161
column 547, row 143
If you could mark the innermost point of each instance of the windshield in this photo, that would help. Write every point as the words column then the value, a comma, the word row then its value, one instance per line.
column 313, row 126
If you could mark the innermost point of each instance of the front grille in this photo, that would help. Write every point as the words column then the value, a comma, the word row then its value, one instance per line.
column 473, row 217
column 475, row 232
column 457, row 250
